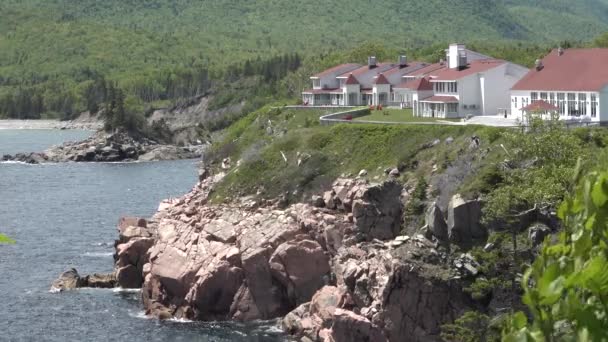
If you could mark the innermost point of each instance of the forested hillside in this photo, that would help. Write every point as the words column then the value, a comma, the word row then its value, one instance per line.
column 53, row 51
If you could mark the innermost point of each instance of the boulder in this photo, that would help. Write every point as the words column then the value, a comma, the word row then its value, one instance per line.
column 436, row 222
column 377, row 211
column 464, row 220
column 350, row 327
column 318, row 201
column 537, row 233
column 68, row 280
column 300, row 266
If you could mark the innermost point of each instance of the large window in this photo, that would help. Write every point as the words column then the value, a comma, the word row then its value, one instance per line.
column 572, row 104
column 534, row 96
column 593, row 105
column 543, row 96
column 452, row 107
column 561, row 103
column 582, row 104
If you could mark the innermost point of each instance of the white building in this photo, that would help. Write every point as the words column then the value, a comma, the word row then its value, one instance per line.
column 573, row 81
column 466, row 83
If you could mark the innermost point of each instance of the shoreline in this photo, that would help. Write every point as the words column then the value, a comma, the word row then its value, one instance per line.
column 48, row 125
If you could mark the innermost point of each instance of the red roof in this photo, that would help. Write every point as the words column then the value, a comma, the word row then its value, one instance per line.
column 574, row 70
column 323, row 91
column 540, row 105
column 352, row 79
column 342, row 68
column 447, row 74
column 418, row 84
column 427, row 69
column 407, row 69
column 442, row 99
column 381, row 79
column 380, row 67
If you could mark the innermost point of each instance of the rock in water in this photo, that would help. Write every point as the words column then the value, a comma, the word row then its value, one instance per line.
column 70, row 280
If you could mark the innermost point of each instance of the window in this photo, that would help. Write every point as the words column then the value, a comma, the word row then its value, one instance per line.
column 316, row 83
column 561, row 103
column 582, row 104
column 543, row 96
column 452, row 87
column 534, row 96
column 572, row 104
column 593, row 105
column 515, row 101
column 452, row 107
column 552, row 98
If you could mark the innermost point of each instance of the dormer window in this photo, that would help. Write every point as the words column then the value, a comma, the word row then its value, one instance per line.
column 316, row 83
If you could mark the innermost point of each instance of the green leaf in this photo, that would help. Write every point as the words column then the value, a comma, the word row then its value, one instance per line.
column 6, row 239
column 598, row 194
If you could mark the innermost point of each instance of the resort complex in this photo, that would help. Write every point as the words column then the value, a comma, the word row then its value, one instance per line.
column 464, row 83
column 570, row 83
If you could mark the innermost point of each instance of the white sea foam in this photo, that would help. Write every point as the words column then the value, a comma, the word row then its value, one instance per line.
column 99, row 254
column 122, row 290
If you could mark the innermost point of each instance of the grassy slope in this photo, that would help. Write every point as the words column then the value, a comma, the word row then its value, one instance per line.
column 332, row 151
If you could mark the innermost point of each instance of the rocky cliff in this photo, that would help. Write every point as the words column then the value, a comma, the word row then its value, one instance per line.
column 336, row 269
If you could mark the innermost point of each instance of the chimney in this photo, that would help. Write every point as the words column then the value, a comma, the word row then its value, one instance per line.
column 371, row 62
column 538, row 64
column 402, row 61
column 457, row 56
column 560, row 51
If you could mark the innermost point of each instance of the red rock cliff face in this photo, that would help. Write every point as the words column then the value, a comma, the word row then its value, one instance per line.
column 242, row 261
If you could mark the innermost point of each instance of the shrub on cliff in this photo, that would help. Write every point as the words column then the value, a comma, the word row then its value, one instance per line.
column 566, row 289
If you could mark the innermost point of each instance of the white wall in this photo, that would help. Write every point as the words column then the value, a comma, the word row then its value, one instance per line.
column 469, row 93
column 498, row 82
column 603, row 110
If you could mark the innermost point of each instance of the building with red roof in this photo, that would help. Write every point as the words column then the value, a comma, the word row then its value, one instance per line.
column 465, row 83
column 575, row 81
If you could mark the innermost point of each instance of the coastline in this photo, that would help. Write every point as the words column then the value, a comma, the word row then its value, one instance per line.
column 49, row 124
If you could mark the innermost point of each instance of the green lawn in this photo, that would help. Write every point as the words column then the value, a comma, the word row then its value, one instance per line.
column 397, row 115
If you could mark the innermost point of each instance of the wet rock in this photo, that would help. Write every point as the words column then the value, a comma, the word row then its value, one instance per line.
column 394, row 173
column 362, row 173
column 70, row 280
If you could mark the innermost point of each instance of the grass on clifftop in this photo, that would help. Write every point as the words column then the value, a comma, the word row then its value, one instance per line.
column 281, row 151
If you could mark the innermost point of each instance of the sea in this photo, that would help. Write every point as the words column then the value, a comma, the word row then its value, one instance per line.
column 65, row 215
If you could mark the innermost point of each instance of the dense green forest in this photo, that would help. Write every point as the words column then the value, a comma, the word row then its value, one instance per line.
column 57, row 55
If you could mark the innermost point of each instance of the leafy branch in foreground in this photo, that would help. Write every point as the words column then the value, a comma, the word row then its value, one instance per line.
column 566, row 289
column 6, row 239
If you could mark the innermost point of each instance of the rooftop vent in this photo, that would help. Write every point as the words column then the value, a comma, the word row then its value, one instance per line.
column 560, row 51
column 371, row 62
column 402, row 61
column 538, row 64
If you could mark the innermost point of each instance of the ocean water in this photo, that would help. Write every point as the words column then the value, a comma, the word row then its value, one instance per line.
column 64, row 215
